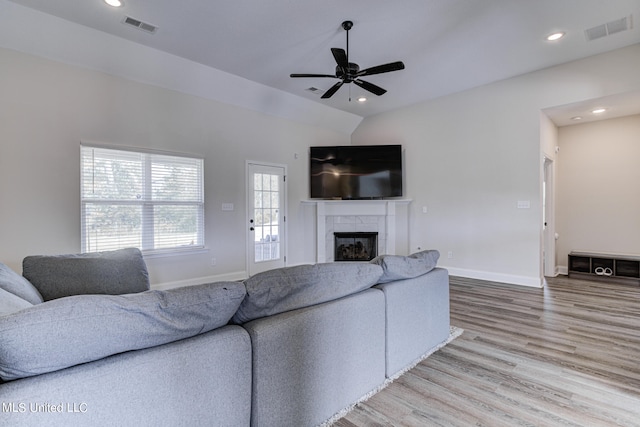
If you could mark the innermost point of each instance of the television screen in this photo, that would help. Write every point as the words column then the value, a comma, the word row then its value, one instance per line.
column 356, row 172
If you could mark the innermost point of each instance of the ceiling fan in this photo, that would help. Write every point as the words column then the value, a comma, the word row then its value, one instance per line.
column 349, row 72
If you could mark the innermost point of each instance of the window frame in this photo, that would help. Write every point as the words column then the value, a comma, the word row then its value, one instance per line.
column 146, row 202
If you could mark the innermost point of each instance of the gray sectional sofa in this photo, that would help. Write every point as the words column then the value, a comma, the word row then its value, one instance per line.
column 83, row 341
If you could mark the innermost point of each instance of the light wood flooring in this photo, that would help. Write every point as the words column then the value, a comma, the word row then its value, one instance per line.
column 565, row 355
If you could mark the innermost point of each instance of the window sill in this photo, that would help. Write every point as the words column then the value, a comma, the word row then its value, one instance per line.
column 163, row 253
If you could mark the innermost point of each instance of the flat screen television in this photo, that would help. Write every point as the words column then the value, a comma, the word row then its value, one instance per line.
column 356, row 172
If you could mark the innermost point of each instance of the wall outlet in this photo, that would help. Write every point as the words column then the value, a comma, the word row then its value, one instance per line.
column 214, row 262
column 450, row 254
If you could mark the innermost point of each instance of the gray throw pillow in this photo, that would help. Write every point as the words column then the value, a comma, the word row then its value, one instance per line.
column 82, row 328
column 397, row 267
column 15, row 284
column 285, row 289
column 10, row 303
column 116, row 272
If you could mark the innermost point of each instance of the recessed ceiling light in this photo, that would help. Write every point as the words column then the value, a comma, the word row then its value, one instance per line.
column 555, row 36
column 362, row 99
column 576, row 118
column 114, row 3
column 599, row 110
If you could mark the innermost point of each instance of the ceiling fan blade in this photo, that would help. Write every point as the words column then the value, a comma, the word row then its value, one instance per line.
column 377, row 90
column 333, row 89
column 379, row 69
column 341, row 58
column 312, row 75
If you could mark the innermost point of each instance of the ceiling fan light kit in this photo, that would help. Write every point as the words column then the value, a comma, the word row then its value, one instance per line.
column 349, row 72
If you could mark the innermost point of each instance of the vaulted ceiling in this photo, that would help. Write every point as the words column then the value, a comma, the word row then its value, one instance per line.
column 447, row 46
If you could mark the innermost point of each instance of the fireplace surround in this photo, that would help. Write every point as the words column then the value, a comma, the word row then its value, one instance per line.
column 388, row 218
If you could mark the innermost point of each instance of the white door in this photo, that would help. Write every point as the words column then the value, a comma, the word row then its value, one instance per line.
column 266, row 191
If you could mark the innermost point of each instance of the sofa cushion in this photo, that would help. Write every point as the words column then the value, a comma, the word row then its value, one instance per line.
column 116, row 272
column 82, row 328
column 15, row 284
column 10, row 303
column 396, row 267
column 284, row 289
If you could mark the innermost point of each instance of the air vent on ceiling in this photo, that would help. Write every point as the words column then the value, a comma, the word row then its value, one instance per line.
column 609, row 28
column 315, row 90
column 140, row 25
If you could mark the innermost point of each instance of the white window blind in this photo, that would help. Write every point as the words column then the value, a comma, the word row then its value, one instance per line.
column 154, row 202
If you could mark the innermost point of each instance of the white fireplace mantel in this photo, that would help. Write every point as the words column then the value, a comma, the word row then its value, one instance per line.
column 361, row 213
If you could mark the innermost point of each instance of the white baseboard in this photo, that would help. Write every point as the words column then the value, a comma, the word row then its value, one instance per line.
column 227, row 277
column 562, row 269
column 232, row 277
column 535, row 282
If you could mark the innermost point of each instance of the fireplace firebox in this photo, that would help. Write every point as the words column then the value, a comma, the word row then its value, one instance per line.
column 358, row 246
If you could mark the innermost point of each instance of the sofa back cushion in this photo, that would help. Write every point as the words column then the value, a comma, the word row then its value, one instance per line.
column 116, row 272
column 397, row 267
column 284, row 289
column 82, row 328
column 15, row 284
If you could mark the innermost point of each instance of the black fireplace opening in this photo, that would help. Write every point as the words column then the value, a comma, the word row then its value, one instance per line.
column 358, row 246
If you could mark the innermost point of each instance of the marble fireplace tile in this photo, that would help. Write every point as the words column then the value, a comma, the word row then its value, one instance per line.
column 369, row 219
column 344, row 219
column 367, row 227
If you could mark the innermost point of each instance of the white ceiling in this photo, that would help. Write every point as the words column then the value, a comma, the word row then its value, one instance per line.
column 447, row 46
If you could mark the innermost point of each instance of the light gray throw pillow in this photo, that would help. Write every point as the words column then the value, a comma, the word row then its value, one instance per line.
column 10, row 303
column 122, row 271
column 285, row 289
column 82, row 328
column 15, row 284
column 397, row 267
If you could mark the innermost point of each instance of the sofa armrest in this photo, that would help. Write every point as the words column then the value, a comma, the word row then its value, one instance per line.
column 203, row 380
column 311, row 363
column 417, row 314
column 82, row 328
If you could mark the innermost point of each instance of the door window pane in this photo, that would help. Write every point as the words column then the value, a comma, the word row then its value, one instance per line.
column 266, row 211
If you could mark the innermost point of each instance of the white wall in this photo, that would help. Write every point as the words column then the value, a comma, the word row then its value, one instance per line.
column 31, row 31
column 47, row 108
column 470, row 157
column 598, row 193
